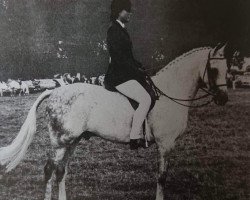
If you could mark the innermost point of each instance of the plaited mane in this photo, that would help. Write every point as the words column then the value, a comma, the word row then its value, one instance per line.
column 178, row 59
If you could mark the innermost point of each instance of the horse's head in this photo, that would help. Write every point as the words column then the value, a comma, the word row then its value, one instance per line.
column 214, row 75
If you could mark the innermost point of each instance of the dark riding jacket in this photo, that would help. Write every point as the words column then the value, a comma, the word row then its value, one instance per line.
column 123, row 66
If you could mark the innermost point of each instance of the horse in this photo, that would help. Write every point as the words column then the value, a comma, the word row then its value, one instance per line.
column 24, row 87
column 30, row 84
column 14, row 87
column 3, row 88
column 83, row 110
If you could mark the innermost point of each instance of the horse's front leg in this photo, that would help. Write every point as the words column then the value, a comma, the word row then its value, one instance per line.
column 163, row 164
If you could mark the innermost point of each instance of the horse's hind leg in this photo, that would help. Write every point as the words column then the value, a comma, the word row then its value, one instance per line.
column 56, row 167
column 49, row 169
column 59, row 168
column 61, row 162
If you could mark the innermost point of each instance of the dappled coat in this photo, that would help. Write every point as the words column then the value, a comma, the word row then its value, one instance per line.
column 123, row 66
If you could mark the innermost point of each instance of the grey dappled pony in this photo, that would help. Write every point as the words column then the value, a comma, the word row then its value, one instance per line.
column 75, row 111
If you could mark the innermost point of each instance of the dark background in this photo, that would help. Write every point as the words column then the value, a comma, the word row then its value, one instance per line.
column 30, row 31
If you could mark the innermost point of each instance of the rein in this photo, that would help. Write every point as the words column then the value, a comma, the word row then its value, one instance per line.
column 176, row 100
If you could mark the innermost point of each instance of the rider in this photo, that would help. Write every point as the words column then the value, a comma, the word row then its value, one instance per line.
column 124, row 72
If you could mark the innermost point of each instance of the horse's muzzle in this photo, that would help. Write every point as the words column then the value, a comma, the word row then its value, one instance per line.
column 220, row 98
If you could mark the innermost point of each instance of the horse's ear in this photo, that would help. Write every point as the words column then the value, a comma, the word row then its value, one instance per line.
column 219, row 50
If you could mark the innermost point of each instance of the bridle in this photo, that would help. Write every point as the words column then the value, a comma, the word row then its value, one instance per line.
column 209, row 92
column 207, row 71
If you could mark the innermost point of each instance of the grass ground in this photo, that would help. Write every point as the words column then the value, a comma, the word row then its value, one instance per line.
column 210, row 161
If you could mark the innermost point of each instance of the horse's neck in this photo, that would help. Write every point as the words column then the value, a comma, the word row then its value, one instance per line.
column 180, row 78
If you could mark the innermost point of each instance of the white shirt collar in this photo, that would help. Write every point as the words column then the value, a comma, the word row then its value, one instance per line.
column 122, row 24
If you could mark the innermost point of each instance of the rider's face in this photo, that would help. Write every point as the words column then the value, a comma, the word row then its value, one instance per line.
column 124, row 16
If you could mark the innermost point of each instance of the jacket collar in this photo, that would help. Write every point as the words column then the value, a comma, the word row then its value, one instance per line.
column 122, row 24
column 123, row 29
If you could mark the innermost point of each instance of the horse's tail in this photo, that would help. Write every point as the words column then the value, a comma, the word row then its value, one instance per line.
column 15, row 152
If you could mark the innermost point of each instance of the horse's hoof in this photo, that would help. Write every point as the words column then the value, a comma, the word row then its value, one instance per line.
column 137, row 143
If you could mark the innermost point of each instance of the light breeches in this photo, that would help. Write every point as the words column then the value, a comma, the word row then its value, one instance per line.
column 135, row 91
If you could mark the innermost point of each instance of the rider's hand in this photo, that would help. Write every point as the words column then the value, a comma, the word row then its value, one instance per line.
column 142, row 70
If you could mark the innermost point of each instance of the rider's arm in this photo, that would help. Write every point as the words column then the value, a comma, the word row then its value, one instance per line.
column 120, row 50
